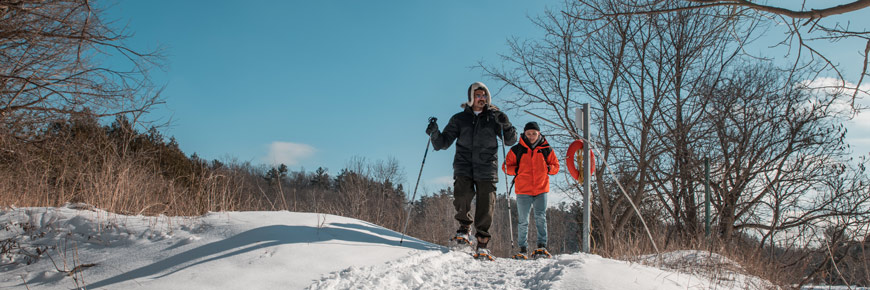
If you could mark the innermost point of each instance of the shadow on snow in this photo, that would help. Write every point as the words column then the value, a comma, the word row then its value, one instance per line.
column 264, row 237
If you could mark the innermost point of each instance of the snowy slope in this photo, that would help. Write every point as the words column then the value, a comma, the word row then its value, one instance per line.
column 278, row 250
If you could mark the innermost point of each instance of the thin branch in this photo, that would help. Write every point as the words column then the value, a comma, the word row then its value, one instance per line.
column 803, row 14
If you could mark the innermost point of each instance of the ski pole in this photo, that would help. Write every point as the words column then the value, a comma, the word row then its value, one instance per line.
column 414, row 196
column 507, row 194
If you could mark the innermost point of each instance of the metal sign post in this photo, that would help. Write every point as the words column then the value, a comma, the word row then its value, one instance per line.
column 583, row 118
column 587, row 175
column 707, row 197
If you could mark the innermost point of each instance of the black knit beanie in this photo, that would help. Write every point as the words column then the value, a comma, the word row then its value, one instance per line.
column 532, row 125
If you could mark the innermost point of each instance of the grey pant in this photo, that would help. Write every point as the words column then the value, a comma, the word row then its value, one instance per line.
column 464, row 191
column 524, row 206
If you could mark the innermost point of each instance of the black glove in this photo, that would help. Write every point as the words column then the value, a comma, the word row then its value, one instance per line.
column 502, row 119
column 433, row 126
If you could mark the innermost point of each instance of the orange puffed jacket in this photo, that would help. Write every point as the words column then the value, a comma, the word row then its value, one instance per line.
column 531, row 166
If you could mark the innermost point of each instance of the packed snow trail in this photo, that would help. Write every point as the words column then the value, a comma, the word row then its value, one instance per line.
column 452, row 270
column 456, row 270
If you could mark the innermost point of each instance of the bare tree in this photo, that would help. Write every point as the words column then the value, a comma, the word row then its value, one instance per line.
column 671, row 88
column 574, row 60
column 780, row 154
column 55, row 61
column 643, row 74
column 808, row 28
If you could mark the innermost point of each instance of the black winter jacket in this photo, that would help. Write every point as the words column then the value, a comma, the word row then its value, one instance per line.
column 476, row 142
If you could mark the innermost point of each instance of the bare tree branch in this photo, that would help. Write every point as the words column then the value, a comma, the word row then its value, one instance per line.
column 52, row 65
column 804, row 26
column 815, row 13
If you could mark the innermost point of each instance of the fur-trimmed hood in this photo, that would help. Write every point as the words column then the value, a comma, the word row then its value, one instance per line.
column 475, row 86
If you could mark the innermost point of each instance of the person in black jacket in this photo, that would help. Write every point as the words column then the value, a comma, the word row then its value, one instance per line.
column 475, row 166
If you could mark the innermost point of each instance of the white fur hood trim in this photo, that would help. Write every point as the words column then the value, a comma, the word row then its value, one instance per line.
column 474, row 87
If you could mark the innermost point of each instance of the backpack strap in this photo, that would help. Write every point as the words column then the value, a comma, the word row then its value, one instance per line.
column 518, row 151
column 546, row 151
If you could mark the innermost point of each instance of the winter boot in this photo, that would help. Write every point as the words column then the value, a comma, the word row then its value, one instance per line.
column 521, row 255
column 462, row 237
column 482, row 252
column 541, row 252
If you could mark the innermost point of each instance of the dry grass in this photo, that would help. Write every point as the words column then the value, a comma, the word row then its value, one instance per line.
column 127, row 173
column 720, row 261
column 120, row 186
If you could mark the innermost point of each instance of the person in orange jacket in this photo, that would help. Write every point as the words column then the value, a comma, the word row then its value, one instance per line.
column 531, row 162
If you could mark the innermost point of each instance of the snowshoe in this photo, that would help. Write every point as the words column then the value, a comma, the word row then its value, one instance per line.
column 460, row 242
column 541, row 253
column 520, row 256
column 461, row 239
column 483, row 254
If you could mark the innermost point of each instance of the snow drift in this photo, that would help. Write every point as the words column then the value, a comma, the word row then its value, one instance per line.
column 75, row 247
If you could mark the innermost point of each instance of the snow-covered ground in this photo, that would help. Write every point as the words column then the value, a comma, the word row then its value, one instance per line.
column 284, row 250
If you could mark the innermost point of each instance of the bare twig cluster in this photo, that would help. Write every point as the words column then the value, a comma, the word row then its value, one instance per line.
column 809, row 29
column 60, row 58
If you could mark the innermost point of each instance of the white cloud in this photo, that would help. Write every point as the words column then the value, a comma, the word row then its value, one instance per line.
column 862, row 120
column 845, row 90
column 557, row 196
column 859, row 126
column 861, row 141
column 288, row 153
column 836, row 86
column 444, row 181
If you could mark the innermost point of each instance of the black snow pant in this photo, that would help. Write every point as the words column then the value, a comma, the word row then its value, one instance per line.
column 464, row 191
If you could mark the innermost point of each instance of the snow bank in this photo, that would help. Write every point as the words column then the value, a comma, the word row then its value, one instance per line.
column 721, row 271
column 75, row 246
column 236, row 250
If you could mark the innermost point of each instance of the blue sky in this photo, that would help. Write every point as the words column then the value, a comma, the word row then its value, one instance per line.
column 315, row 83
